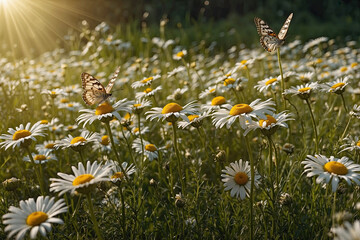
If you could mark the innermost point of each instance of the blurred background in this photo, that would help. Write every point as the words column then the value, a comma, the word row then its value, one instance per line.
column 30, row 27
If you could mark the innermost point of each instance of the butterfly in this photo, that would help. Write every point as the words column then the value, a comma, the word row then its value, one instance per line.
column 94, row 91
column 268, row 39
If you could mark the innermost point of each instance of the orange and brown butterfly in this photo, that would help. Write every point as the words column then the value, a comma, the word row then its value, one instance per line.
column 94, row 91
column 268, row 39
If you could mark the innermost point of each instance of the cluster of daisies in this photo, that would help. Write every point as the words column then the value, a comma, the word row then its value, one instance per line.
column 218, row 93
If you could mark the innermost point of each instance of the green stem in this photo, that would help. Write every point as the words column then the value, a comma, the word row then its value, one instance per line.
column 270, row 157
column 123, row 210
column 282, row 77
column 252, row 171
column 108, row 129
column 93, row 218
column 237, row 96
column 180, row 165
column 346, row 128
column 142, row 144
column 82, row 157
column 314, row 125
column 333, row 210
column 343, row 100
column 41, row 183
column 128, row 145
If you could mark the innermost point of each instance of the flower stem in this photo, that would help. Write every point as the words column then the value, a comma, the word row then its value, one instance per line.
column 142, row 143
column 108, row 129
column 270, row 156
column 282, row 77
column 333, row 210
column 314, row 125
column 252, row 171
column 41, row 183
column 180, row 166
column 346, row 128
column 123, row 210
column 343, row 100
column 93, row 218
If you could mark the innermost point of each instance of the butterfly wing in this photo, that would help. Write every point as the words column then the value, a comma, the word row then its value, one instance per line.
column 94, row 91
column 270, row 43
column 263, row 28
column 112, row 81
column 285, row 27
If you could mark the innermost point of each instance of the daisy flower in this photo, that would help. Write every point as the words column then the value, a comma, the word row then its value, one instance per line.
column 177, row 94
column 82, row 180
column 42, row 157
column 337, row 86
column 355, row 112
column 78, row 142
column 139, row 105
column 237, row 178
column 243, row 112
column 194, row 121
column 305, row 77
column 151, row 151
column 70, row 106
column 104, row 143
column 116, row 173
column 148, row 92
column 267, row 83
column 352, row 144
column 104, row 112
column 145, row 81
column 331, row 170
column 347, row 231
column 269, row 125
column 53, row 93
column 34, row 216
column 215, row 104
column 175, row 71
column 303, row 91
column 179, row 55
column 45, row 146
column 23, row 135
column 172, row 111
column 209, row 91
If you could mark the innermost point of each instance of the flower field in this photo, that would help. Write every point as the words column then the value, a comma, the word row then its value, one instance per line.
column 130, row 136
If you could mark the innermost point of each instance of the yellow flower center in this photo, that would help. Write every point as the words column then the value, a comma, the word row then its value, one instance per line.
column 44, row 122
column 127, row 116
column 358, row 143
column 302, row 90
column 53, row 93
column 270, row 81
column 337, row 85
column 118, row 175
column 50, row 145
column 319, row 60
column 36, row 218
column 136, row 130
column 77, row 139
column 21, row 134
column 228, row 81
column 171, row 107
column 212, row 90
column 136, row 105
column 270, row 120
column 241, row 178
column 70, row 105
column 343, row 69
column 354, row 64
column 180, row 54
column 105, row 140
column 40, row 157
column 147, row 90
column 218, row 100
column 150, row 147
column 70, row 127
column 240, row 109
column 84, row 178
column 147, row 79
column 104, row 108
column 192, row 117
column 64, row 100
column 336, row 167
column 243, row 62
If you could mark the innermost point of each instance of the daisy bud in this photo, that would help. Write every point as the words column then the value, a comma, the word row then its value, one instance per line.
column 179, row 201
column 288, row 148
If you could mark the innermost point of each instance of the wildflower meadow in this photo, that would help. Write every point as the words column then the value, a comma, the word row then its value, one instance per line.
column 123, row 134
